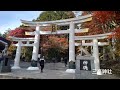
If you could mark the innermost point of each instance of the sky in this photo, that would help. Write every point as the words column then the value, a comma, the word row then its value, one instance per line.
column 11, row 19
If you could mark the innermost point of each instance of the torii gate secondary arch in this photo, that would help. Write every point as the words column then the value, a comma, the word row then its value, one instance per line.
column 71, row 31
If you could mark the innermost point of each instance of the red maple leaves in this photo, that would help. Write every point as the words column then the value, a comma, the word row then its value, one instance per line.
column 55, row 41
column 102, row 22
column 103, row 16
column 19, row 32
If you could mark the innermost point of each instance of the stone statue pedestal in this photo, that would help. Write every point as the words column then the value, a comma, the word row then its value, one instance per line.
column 5, row 65
column 33, row 65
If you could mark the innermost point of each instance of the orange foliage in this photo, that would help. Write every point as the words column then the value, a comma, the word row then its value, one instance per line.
column 99, row 19
column 55, row 41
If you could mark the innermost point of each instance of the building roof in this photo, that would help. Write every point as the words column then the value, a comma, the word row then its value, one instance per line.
column 3, row 42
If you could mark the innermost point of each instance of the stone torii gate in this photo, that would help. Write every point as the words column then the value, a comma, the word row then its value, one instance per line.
column 71, row 31
column 95, row 45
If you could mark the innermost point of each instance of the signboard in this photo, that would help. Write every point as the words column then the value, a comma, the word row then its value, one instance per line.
column 85, row 65
column 29, row 33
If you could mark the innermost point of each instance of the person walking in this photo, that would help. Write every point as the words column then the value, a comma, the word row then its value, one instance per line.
column 65, row 60
column 41, row 62
column 61, row 59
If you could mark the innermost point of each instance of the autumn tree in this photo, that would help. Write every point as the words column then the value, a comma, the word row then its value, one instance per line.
column 20, row 33
column 44, row 16
column 55, row 45
column 104, row 22
column 109, row 21
column 55, row 15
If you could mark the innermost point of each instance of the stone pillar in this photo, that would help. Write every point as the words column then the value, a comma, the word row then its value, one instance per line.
column 91, row 50
column 36, row 44
column 96, row 56
column 5, row 50
column 71, row 49
column 83, row 41
column 35, row 50
column 17, row 57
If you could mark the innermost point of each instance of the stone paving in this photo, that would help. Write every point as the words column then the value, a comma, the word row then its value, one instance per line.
column 51, row 71
column 47, row 74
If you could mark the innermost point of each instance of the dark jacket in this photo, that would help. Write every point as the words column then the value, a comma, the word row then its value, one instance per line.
column 41, row 62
